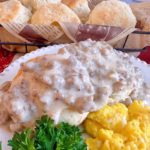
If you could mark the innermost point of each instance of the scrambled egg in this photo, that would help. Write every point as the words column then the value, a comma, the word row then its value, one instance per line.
column 119, row 127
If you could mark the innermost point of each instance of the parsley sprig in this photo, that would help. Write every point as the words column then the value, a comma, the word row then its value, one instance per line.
column 0, row 145
column 22, row 141
column 47, row 136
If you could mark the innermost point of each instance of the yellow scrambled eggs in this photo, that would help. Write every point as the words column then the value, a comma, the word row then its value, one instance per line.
column 119, row 127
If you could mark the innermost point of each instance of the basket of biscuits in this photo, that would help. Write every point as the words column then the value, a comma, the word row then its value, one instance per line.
column 38, row 22
column 70, row 77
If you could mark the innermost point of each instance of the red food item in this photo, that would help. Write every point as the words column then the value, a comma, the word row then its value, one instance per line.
column 5, row 58
column 145, row 55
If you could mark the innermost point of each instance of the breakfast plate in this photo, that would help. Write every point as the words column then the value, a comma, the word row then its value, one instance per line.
column 12, row 70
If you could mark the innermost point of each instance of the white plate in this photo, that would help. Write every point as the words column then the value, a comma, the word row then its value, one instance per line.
column 12, row 70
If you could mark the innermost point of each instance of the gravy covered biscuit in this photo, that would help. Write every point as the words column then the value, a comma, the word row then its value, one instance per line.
column 80, row 7
column 112, row 13
column 66, row 86
column 50, row 13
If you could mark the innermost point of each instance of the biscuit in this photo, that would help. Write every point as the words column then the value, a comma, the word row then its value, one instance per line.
column 112, row 13
column 50, row 13
column 35, row 4
column 14, row 11
column 142, row 13
column 139, row 41
column 72, row 117
column 80, row 7
column 38, row 3
column 25, row 2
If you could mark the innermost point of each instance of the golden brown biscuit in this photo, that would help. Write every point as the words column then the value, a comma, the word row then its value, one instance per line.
column 139, row 41
column 35, row 4
column 113, row 13
column 142, row 13
column 50, row 13
column 25, row 2
column 80, row 7
column 14, row 11
column 38, row 3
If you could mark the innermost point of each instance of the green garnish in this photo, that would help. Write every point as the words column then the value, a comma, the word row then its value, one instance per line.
column 69, row 138
column 47, row 136
column 22, row 141
column 0, row 145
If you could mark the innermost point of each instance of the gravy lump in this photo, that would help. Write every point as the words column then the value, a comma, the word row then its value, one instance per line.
column 82, row 76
